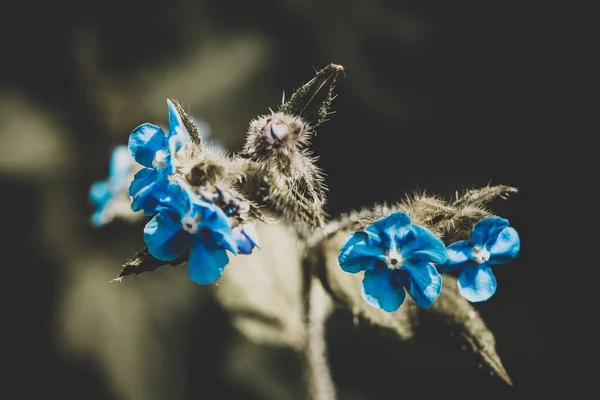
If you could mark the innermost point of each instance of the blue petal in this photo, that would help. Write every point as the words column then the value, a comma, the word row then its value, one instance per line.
column 250, row 232
column 100, row 193
column 477, row 283
column 175, row 143
column 244, row 246
column 359, row 253
column 99, row 218
column 459, row 254
column 144, row 142
column 390, row 228
column 421, row 246
column 165, row 238
column 379, row 291
column 175, row 122
column 173, row 196
column 141, row 179
column 145, row 199
column 506, row 247
column 120, row 165
column 424, row 283
column 486, row 231
column 205, row 264
column 217, row 223
column 245, row 237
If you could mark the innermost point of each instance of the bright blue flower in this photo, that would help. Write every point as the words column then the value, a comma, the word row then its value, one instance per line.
column 150, row 146
column 396, row 256
column 492, row 242
column 246, row 237
column 103, row 194
column 186, row 222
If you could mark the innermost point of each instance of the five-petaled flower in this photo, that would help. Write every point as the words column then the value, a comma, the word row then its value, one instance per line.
column 491, row 242
column 184, row 221
column 396, row 256
column 110, row 196
column 155, row 150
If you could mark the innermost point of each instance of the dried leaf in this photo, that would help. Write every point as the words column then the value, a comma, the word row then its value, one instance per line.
column 144, row 262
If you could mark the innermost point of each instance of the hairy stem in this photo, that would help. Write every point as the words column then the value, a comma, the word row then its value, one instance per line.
column 318, row 309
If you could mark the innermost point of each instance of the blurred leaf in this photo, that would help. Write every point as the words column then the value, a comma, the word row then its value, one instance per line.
column 262, row 291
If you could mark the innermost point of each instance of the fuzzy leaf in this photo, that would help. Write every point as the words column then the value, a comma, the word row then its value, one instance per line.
column 145, row 262
column 484, row 195
column 313, row 99
column 466, row 326
column 262, row 291
column 189, row 124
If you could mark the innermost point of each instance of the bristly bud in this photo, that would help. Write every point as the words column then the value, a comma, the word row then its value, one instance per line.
column 313, row 99
column 279, row 171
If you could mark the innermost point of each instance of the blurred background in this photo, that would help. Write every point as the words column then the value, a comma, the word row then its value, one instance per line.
column 436, row 96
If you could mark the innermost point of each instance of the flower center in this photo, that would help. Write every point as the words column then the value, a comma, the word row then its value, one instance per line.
column 159, row 160
column 394, row 259
column 190, row 224
column 481, row 255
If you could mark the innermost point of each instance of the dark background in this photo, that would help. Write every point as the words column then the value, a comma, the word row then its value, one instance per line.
column 442, row 96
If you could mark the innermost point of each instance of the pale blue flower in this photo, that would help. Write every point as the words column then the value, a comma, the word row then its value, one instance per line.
column 396, row 256
column 492, row 242
column 105, row 194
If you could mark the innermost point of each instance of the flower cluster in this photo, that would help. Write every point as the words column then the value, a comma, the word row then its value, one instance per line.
column 398, row 257
column 201, row 227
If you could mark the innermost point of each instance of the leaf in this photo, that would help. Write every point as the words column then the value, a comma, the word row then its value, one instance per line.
column 484, row 195
column 262, row 291
column 466, row 326
column 189, row 124
column 145, row 262
column 313, row 99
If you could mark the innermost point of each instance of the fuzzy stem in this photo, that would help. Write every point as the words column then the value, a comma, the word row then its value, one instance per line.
column 318, row 309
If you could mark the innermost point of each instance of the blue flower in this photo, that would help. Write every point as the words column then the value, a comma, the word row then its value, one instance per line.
column 150, row 146
column 492, row 242
column 105, row 194
column 183, row 221
column 246, row 237
column 396, row 256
